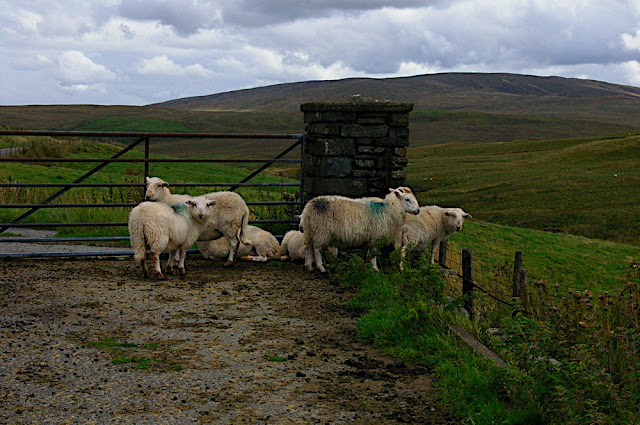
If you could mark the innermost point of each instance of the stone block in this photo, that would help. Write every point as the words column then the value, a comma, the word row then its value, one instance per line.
column 344, row 187
column 370, row 149
column 354, row 130
column 331, row 147
column 323, row 129
column 334, row 166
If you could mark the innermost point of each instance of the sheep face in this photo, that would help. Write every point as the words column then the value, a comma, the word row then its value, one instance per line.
column 200, row 207
column 455, row 217
column 155, row 189
column 409, row 201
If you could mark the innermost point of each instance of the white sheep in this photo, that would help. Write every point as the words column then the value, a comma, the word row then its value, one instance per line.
column 264, row 246
column 158, row 227
column 158, row 190
column 433, row 225
column 350, row 223
column 229, row 219
column 294, row 248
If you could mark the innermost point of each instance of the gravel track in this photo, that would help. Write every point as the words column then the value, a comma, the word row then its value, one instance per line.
column 251, row 344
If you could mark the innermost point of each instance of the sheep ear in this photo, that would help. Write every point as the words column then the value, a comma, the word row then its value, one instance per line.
column 212, row 203
column 467, row 215
column 165, row 184
column 190, row 202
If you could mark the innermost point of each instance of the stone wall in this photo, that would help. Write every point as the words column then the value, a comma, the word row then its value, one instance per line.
column 355, row 147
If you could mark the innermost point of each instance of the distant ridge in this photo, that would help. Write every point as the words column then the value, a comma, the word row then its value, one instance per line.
column 499, row 92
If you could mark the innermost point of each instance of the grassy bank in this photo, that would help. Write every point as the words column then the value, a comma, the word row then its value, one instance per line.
column 572, row 361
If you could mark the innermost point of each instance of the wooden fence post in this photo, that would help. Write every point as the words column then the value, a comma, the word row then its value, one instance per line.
column 517, row 267
column 442, row 254
column 467, row 280
column 522, row 285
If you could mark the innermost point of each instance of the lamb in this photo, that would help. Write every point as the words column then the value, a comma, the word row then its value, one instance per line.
column 159, row 227
column 349, row 223
column 230, row 218
column 264, row 246
column 294, row 248
column 434, row 224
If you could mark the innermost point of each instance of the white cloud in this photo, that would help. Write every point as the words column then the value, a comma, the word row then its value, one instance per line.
column 631, row 42
column 162, row 65
column 76, row 68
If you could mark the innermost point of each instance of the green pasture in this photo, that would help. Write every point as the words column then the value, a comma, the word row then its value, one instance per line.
column 119, row 173
column 588, row 187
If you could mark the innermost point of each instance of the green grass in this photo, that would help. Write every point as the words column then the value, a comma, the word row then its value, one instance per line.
column 572, row 361
column 142, row 357
column 570, row 261
column 118, row 173
column 587, row 187
column 129, row 123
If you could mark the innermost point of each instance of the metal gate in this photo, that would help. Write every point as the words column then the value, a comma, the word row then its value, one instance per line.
column 141, row 140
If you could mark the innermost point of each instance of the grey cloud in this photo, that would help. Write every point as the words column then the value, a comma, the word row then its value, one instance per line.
column 186, row 17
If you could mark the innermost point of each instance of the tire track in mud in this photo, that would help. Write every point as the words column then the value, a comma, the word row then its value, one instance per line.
column 251, row 344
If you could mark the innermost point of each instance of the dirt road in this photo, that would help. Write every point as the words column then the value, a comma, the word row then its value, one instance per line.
column 90, row 341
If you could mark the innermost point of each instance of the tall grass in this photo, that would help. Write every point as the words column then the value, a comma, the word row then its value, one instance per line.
column 573, row 356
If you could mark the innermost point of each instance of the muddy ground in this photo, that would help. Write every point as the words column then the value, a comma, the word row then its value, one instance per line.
column 251, row 344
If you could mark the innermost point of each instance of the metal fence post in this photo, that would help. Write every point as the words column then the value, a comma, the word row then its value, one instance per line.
column 467, row 280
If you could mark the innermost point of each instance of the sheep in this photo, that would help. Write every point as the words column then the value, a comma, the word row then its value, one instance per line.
column 349, row 223
column 294, row 248
column 229, row 219
column 264, row 246
column 161, row 227
column 434, row 224
column 158, row 190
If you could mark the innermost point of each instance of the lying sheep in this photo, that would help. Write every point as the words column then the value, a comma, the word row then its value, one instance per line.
column 159, row 227
column 433, row 225
column 350, row 223
column 264, row 246
column 294, row 248
column 229, row 219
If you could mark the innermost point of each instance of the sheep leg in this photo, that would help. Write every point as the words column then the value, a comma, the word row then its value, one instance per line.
column 436, row 243
column 155, row 263
column 172, row 261
column 308, row 261
column 403, row 254
column 318, row 257
column 234, row 245
column 260, row 258
column 145, row 270
column 182, row 253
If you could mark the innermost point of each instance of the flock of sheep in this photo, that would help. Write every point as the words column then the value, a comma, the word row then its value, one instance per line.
column 218, row 223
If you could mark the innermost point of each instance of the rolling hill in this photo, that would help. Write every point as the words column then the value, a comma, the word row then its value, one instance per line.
column 567, row 98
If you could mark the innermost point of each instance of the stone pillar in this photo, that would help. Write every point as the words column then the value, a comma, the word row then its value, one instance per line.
column 355, row 147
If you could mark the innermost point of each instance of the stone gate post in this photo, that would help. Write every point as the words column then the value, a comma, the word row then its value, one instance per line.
column 355, row 147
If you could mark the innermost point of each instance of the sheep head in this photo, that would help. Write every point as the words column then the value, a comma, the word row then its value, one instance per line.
column 455, row 218
column 200, row 207
column 156, row 189
column 408, row 199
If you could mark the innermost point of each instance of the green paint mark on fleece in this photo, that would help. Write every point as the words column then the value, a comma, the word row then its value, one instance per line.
column 377, row 207
column 180, row 208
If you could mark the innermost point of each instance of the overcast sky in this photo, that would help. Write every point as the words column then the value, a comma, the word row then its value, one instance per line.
column 136, row 52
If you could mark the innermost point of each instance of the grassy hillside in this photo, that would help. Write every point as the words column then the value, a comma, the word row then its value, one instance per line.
column 427, row 126
column 587, row 187
column 496, row 93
